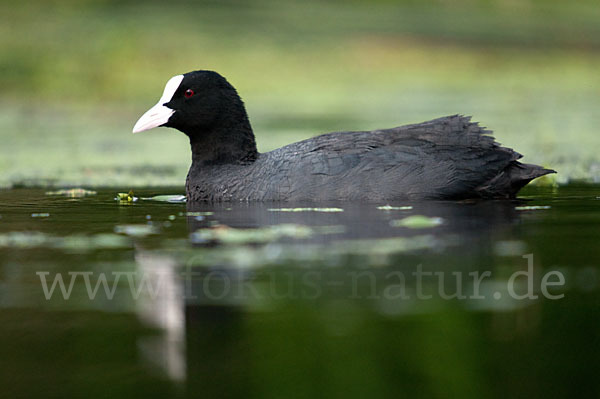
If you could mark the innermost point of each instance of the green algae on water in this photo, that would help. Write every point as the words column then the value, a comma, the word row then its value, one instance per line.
column 72, row 192
column 229, row 235
column 417, row 222
column 136, row 230
column 125, row 198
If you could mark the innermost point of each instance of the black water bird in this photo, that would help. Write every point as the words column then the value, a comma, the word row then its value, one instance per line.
column 445, row 158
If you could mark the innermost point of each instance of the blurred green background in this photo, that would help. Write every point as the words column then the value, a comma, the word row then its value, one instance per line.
column 75, row 76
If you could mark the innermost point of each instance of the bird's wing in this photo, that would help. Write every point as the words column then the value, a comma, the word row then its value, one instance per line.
column 443, row 158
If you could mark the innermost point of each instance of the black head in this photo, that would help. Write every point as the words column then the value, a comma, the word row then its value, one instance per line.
column 202, row 100
column 207, row 108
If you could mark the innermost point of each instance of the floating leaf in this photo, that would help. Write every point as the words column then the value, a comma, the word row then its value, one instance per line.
column 384, row 246
column 126, row 197
column 329, row 229
column 394, row 208
column 40, row 215
column 78, row 242
column 136, row 230
column 23, row 239
column 174, row 198
column 417, row 222
column 229, row 235
column 196, row 213
column 305, row 210
column 98, row 241
column 72, row 192
column 532, row 207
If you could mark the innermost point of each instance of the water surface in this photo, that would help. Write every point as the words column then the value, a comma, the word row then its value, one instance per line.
column 418, row 299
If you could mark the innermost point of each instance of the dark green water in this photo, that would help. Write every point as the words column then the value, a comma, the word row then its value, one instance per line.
column 243, row 300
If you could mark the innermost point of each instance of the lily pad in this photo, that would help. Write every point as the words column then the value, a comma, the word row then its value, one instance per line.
column 417, row 222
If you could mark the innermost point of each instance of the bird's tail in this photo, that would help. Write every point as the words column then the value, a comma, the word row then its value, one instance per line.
column 512, row 178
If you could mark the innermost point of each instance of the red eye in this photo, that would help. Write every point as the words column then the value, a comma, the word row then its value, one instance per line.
column 188, row 93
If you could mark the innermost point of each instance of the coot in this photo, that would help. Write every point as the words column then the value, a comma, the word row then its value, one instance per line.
column 445, row 158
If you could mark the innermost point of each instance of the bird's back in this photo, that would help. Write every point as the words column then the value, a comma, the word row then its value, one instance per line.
column 446, row 158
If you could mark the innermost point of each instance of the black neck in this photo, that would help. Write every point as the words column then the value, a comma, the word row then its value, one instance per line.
column 225, row 143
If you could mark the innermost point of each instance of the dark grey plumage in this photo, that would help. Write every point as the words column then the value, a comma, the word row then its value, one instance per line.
column 445, row 158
